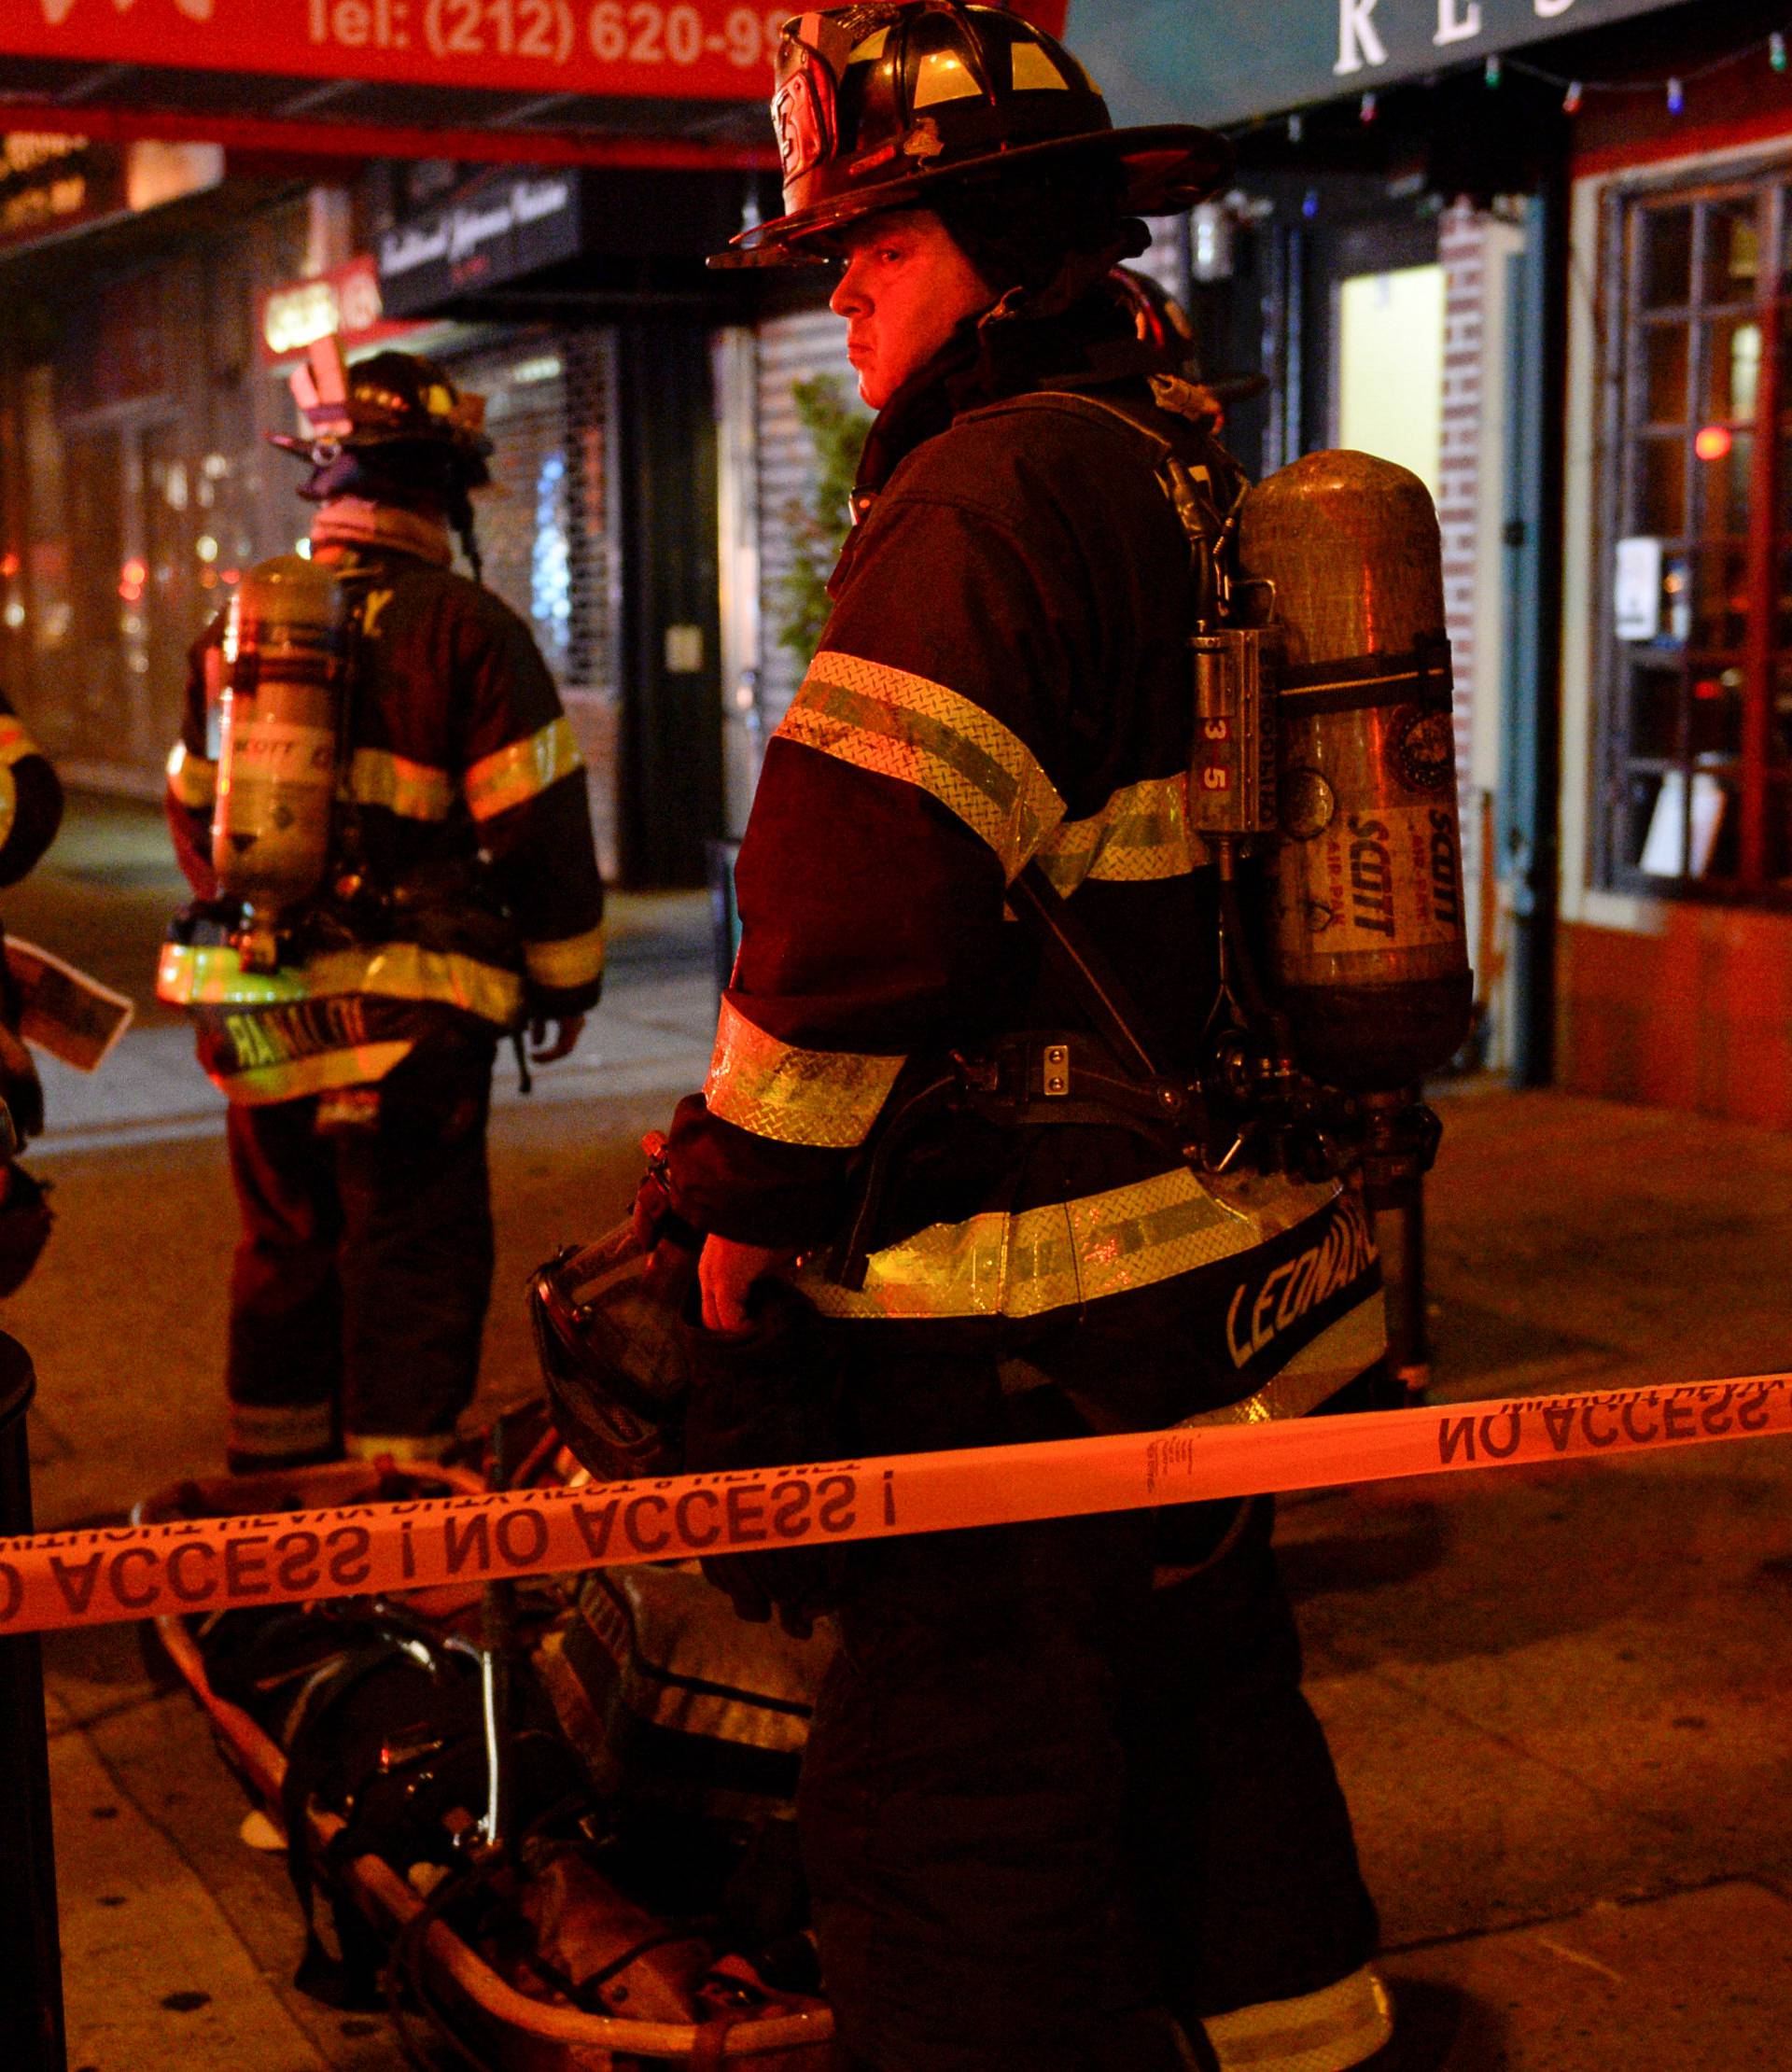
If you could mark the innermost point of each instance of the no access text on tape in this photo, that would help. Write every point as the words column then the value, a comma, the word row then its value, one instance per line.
column 110, row 1573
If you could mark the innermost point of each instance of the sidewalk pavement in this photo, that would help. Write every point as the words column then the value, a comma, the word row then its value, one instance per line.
column 1557, row 1696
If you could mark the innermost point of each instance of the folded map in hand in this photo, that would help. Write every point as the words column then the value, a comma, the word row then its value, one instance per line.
column 66, row 1012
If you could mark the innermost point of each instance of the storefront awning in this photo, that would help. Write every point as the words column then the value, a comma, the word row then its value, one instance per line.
column 606, row 81
column 1228, row 62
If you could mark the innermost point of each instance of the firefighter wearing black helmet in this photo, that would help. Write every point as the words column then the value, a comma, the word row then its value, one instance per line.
column 1064, row 1799
column 458, row 900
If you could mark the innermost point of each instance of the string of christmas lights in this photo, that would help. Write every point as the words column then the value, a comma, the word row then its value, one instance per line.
column 1672, row 87
column 1776, row 46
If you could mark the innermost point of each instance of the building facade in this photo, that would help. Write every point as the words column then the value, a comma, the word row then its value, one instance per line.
column 1676, row 959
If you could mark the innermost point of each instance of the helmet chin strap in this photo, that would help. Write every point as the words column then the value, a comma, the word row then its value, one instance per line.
column 1077, row 273
column 460, row 516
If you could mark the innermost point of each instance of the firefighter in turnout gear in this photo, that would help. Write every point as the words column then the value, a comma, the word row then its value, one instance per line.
column 454, row 897
column 1064, row 1797
column 31, row 811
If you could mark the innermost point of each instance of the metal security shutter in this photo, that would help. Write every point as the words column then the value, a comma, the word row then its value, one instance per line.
column 545, row 533
column 791, row 349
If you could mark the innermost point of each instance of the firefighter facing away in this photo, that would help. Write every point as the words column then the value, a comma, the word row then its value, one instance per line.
column 379, row 804
column 1064, row 1807
column 31, row 811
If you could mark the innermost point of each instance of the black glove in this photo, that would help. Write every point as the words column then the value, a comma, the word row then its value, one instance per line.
column 766, row 1400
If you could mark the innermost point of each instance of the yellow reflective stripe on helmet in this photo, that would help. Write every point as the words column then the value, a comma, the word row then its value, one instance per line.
column 825, row 1098
column 1327, row 2031
column 1024, row 1264
column 415, row 790
column 15, row 743
column 257, row 1086
column 192, row 780
column 907, row 727
column 514, row 775
column 1142, row 832
column 192, row 976
column 573, row 960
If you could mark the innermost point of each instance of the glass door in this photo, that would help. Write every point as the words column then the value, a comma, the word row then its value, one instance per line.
column 1698, row 681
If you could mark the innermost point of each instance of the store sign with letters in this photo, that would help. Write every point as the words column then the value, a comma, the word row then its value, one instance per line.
column 706, row 50
column 699, row 50
column 504, row 224
column 1227, row 61
column 50, row 182
column 345, row 301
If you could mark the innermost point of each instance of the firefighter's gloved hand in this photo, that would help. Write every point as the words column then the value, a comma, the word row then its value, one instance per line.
column 567, row 1029
column 728, row 1273
column 764, row 1398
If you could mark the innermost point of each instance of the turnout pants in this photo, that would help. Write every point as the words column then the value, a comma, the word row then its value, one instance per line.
column 1046, row 1807
column 364, row 1266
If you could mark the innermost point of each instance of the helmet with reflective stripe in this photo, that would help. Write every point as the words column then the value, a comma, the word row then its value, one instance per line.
column 398, row 402
column 882, row 106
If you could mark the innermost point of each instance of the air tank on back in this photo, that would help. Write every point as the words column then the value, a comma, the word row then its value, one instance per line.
column 285, row 662
column 1369, row 950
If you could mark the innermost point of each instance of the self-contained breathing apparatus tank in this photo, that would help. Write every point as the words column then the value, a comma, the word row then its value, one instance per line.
column 1368, row 958
column 281, row 671
column 1325, row 727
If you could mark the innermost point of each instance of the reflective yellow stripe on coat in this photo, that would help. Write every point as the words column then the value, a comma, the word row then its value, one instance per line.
column 573, row 960
column 191, row 778
column 515, row 774
column 1327, row 2031
column 825, row 1098
column 15, row 743
column 1142, row 832
column 1033, row 1260
column 191, row 976
column 415, row 790
column 904, row 726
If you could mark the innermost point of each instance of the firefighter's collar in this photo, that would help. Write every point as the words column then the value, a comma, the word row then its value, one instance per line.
column 359, row 522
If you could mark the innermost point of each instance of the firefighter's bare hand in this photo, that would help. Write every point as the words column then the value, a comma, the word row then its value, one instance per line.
column 567, row 1031
column 726, row 1275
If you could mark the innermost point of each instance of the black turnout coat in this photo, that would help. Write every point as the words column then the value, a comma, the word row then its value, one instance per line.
column 1004, row 680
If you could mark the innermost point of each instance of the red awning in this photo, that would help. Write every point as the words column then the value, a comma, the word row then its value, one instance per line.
column 647, row 83
column 633, row 82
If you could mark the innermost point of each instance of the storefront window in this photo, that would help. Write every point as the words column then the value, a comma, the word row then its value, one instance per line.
column 1697, row 702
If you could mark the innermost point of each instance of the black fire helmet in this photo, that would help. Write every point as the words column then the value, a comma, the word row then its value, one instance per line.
column 393, row 424
column 897, row 103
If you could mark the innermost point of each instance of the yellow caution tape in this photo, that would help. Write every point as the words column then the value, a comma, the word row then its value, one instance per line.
column 109, row 1572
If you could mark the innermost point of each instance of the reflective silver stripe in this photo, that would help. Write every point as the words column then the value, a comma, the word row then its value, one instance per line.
column 921, row 733
column 1025, row 1264
column 1327, row 2031
column 1345, row 1348
column 323, row 1073
column 825, row 1098
column 399, row 1445
column 15, row 743
column 212, row 976
column 520, row 770
column 415, row 790
column 1142, row 832
column 573, row 960
column 191, row 778
column 280, row 1428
